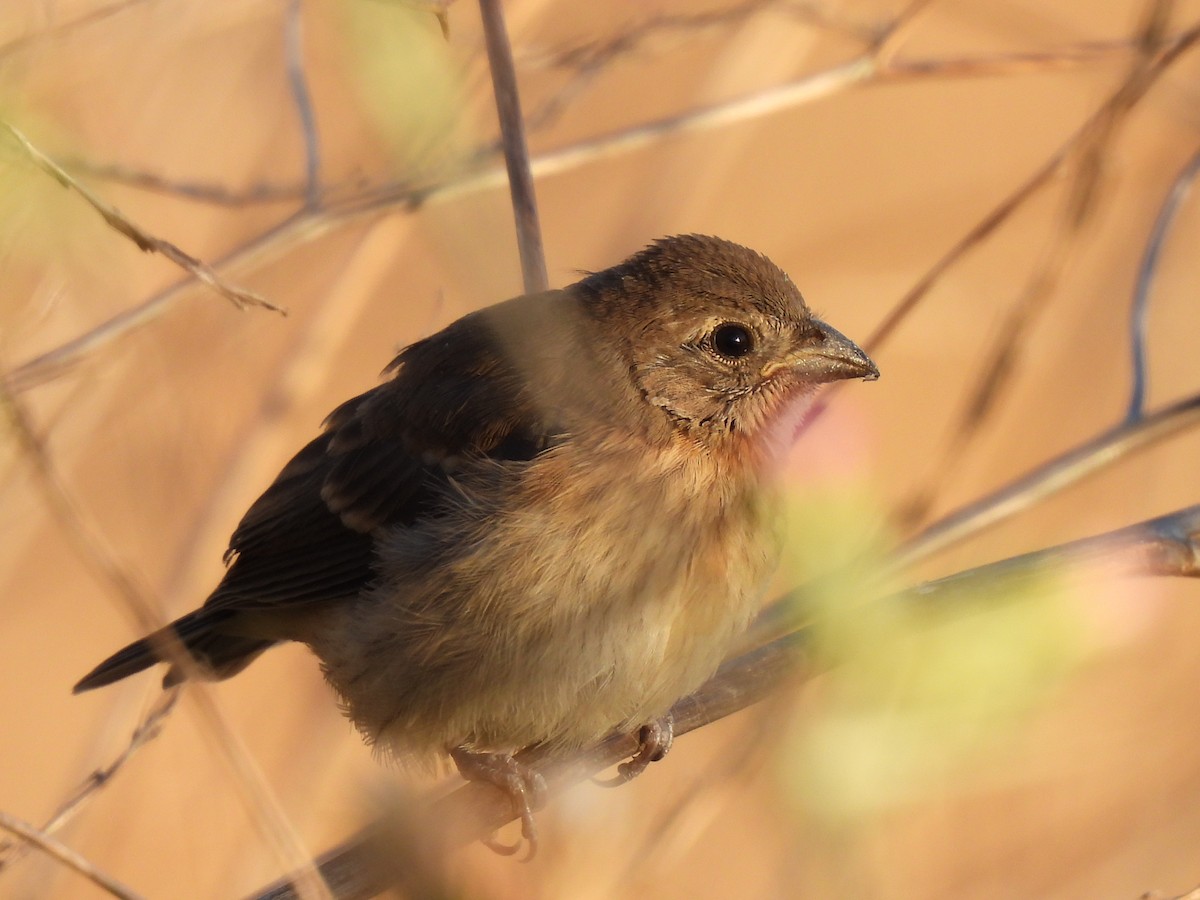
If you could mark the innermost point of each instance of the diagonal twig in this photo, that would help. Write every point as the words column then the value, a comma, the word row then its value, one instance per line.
column 238, row 296
column 91, row 547
column 57, row 850
column 308, row 226
column 147, row 730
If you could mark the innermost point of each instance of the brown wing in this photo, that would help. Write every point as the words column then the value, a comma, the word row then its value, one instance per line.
column 384, row 458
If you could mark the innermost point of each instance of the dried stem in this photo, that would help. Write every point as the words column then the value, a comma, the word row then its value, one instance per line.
column 57, row 31
column 516, row 149
column 1082, row 155
column 239, row 297
column 1139, row 311
column 293, row 39
column 65, row 855
column 307, row 226
column 146, row 731
column 1049, row 478
column 113, row 574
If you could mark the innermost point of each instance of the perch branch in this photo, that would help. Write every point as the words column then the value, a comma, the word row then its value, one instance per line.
column 1167, row 545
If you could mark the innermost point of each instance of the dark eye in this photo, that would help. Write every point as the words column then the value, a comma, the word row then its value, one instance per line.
column 732, row 341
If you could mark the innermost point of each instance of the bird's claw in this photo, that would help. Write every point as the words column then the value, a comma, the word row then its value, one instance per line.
column 654, row 742
column 524, row 787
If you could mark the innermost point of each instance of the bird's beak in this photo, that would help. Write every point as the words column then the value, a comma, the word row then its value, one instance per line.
column 832, row 358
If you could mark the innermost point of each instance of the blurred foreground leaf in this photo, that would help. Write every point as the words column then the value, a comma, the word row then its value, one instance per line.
column 409, row 81
column 914, row 682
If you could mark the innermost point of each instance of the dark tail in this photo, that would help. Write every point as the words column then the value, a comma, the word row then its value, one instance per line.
column 216, row 654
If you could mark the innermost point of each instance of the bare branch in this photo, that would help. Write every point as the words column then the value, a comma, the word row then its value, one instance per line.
column 516, row 150
column 293, row 41
column 1170, row 52
column 1049, row 478
column 65, row 855
column 1082, row 155
column 239, row 297
column 1167, row 545
column 146, row 731
column 49, row 34
column 309, row 225
column 114, row 575
column 1145, row 283
column 201, row 192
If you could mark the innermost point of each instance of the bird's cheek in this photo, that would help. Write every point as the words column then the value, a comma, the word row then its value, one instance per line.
column 680, row 393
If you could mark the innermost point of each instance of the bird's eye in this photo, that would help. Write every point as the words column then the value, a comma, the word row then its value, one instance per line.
column 732, row 341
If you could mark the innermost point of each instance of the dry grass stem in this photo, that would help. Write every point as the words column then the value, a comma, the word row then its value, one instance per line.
column 114, row 575
column 65, row 855
column 147, row 730
column 202, row 272
column 307, row 226
column 516, row 149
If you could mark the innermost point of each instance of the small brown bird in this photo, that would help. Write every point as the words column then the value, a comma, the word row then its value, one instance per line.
column 551, row 523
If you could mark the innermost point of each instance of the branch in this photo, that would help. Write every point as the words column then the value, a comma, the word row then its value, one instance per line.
column 99, row 14
column 239, row 297
column 907, row 304
column 293, row 42
column 516, row 149
column 1179, row 191
column 65, row 855
column 309, row 225
column 1082, row 156
column 88, row 542
column 1049, row 478
column 199, row 191
column 146, row 731
column 1167, row 545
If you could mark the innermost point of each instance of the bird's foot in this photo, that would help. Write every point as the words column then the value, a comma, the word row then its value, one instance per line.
column 654, row 741
column 525, row 788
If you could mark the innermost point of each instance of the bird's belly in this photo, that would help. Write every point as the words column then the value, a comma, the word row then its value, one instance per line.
column 532, row 633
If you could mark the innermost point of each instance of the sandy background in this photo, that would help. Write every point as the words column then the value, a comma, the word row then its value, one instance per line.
column 1086, row 785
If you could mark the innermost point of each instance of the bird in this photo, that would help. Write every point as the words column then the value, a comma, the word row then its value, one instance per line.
column 552, row 520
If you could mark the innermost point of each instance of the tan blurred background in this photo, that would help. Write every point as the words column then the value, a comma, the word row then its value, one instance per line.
column 162, row 434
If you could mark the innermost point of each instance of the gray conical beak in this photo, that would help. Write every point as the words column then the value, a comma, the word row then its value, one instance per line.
column 833, row 358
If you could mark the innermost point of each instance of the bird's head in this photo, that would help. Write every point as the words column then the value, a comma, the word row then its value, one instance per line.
column 718, row 338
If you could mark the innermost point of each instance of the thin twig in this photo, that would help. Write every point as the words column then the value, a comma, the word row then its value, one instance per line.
column 293, row 42
column 594, row 53
column 907, row 304
column 56, row 31
column 308, row 226
column 1145, row 283
column 239, row 297
column 200, row 191
column 57, row 850
column 1083, row 154
column 516, row 149
column 1049, row 478
column 147, row 730
column 1167, row 545
column 112, row 573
